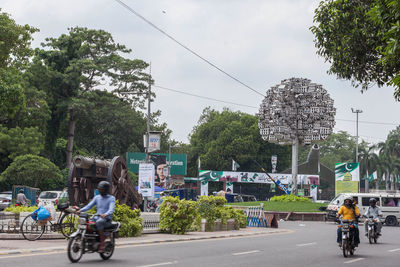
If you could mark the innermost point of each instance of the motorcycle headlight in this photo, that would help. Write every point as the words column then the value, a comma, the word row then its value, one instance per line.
column 82, row 221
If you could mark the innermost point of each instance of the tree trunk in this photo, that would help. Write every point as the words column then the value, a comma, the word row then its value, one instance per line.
column 377, row 183
column 367, row 184
column 387, row 176
column 70, row 143
column 392, row 181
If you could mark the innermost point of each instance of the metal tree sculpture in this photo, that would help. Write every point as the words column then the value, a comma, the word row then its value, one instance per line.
column 296, row 111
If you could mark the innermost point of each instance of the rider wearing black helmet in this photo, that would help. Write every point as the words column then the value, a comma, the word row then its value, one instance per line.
column 105, row 208
column 376, row 212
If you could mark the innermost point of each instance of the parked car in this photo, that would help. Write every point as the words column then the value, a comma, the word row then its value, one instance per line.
column 5, row 199
column 46, row 197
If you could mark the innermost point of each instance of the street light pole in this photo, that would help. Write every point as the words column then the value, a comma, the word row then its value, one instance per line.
column 357, row 111
column 148, row 119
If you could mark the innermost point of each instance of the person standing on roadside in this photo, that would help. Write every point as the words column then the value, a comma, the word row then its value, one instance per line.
column 21, row 198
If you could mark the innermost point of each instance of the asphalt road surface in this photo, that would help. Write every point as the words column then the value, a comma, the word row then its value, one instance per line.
column 307, row 244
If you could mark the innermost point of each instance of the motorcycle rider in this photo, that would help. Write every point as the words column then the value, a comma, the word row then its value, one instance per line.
column 350, row 212
column 376, row 212
column 105, row 208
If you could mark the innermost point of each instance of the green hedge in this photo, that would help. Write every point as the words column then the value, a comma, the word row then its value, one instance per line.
column 179, row 216
column 131, row 222
column 289, row 198
column 18, row 209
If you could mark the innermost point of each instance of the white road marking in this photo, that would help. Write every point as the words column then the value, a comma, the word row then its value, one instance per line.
column 160, row 264
column 306, row 244
column 393, row 250
column 358, row 259
column 246, row 252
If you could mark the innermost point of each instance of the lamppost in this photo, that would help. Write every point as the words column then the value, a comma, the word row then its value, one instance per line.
column 296, row 111
column 357, row 111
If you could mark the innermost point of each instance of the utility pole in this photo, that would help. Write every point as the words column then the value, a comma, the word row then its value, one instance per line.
column 148, row 119
column 357, row 111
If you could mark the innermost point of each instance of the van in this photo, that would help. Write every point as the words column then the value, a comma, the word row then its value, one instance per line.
column 388, row 202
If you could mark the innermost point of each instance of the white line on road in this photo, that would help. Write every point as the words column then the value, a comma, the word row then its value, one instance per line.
column 160, row 264
column 306, row 244
column 393, row 250
column 358, row 259
column 246, row 252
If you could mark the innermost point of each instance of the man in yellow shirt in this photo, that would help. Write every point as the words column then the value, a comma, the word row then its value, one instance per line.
column 350, row 212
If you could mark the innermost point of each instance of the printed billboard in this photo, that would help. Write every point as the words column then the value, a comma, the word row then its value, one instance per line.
column 178, row 162
column 347, row 177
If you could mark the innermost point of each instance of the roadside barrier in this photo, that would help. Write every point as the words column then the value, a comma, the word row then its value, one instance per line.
column 256, row 217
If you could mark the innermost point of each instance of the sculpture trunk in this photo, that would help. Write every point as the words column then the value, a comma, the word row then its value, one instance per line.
column 295, row 152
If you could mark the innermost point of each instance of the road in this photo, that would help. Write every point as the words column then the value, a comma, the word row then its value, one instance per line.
column 307, row 244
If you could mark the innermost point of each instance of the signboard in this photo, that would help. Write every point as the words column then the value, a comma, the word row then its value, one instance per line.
column 347, row 177
column 154, row 141
column 256, row 177
column 146, row 179
column 178, row 162
column 274, row 161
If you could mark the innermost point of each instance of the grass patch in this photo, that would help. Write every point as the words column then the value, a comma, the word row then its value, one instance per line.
column 284, row 206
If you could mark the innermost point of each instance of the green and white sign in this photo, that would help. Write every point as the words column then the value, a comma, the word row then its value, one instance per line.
column 178, row 162
column 347, row 177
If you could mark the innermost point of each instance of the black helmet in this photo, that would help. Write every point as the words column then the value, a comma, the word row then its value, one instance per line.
column 103, row 187
column 372, row 200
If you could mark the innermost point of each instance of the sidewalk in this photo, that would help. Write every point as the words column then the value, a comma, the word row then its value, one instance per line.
column 8, row 247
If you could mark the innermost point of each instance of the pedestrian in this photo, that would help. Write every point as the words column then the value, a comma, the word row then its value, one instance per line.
column 21, row 198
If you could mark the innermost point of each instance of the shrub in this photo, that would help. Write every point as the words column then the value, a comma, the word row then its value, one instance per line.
column 177, row 216
column 289, row 198
column 131, row 222
column 18, row 209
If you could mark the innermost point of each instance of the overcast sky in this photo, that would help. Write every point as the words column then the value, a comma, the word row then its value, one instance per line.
column 260, row 42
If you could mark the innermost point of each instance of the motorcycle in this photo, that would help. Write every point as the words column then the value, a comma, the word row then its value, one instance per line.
column 87, row 240
column 372, row 235
column 348, row 244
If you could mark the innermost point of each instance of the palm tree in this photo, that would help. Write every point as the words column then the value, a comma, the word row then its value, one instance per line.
column 368, row 161
column 385, row 155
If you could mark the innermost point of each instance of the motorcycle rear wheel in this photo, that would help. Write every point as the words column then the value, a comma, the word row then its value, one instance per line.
column 75, row 249
column 108, row 251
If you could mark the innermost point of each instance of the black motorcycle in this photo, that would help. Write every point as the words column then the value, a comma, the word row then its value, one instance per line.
column 348, row 233
column 87, row 240
column 372, row 235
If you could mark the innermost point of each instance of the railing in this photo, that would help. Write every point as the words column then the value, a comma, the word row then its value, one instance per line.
column 10, row 222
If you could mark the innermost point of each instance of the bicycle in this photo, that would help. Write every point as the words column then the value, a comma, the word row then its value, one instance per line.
column 32, row 229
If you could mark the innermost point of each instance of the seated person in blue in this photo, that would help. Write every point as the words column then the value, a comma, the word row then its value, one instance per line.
column 105, row 208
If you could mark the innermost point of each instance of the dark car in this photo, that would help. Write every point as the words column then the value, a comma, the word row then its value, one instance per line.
column 5, row 199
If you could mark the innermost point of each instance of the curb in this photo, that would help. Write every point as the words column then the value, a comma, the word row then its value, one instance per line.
column 143, row 242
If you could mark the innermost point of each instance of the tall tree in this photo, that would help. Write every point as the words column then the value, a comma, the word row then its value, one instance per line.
column 359, row 40
column 81, row 61
column 368, row 162
column 220, row 137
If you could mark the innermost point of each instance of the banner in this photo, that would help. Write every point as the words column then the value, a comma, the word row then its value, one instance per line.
column 256, row 177
column 146, row 179
column 347, row 177
column 178, row 162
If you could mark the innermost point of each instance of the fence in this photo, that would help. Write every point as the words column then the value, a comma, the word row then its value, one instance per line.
column 10, row 222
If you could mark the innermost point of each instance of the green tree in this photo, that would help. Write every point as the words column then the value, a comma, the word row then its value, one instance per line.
column 15, row 41
column 368, row 162
column 220, row 137
column 76, row 63
column 15, row 142
column 359, row 40
column 338, row 147
column 31, row 170
column 108, row 126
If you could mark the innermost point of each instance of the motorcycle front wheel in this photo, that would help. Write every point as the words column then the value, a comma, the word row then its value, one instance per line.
column 345, row 248
column 370, row 236
column 108, row 251
column 75, row 249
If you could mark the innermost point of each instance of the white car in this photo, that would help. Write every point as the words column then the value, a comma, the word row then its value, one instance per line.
column 47, row 197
